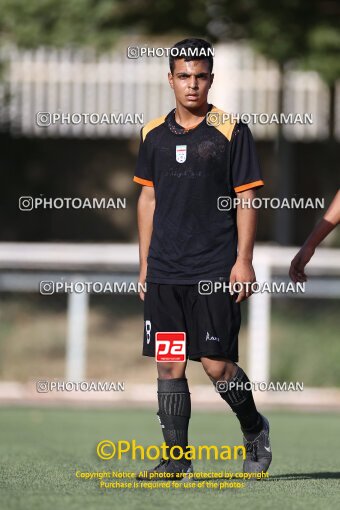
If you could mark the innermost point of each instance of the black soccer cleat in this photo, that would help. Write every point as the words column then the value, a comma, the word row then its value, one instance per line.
column 167, row 470
column 258, row 451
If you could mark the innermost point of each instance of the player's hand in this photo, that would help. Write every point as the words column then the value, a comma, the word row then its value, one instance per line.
column 141, row 281
column 297, row 266
column 243, row 272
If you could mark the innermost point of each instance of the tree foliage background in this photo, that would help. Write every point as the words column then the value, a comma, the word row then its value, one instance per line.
column 304, row 32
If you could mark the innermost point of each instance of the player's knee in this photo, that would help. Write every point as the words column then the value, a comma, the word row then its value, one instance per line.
column 220, row 371
column 169, row 371
column 214, row 373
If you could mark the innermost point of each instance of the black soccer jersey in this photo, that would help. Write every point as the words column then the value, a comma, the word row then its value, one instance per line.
column 193, row 239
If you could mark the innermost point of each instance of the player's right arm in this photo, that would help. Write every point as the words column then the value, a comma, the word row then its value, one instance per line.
column 146, row 203
column 330, row 220
column 145, row 212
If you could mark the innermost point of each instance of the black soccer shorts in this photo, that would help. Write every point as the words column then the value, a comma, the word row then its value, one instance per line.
column 211, row 322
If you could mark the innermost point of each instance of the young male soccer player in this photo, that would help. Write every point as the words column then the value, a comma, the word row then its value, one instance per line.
column 184, row 165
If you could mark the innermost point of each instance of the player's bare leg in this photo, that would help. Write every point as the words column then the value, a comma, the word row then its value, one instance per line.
column 175, row 370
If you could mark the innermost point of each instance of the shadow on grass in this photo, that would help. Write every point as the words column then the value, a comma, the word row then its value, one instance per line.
column 272, row 478
column 305, row 476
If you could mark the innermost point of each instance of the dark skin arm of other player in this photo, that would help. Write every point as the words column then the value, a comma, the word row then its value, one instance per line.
column 330, row 220
column 243, row 270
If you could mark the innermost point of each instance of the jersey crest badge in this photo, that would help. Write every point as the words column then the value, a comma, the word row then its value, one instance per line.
column 181, row 153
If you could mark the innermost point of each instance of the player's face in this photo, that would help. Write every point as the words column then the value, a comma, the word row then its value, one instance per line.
column 191, row 82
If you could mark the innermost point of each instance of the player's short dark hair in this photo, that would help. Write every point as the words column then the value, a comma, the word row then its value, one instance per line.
column 192, row 43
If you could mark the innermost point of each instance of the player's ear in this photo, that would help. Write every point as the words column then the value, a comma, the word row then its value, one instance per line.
column 171, row 79
column 211, row 79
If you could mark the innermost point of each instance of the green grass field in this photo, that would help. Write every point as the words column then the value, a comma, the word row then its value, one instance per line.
column 42, row 448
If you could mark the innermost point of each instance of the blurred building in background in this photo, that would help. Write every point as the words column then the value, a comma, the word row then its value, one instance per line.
column 66, row 81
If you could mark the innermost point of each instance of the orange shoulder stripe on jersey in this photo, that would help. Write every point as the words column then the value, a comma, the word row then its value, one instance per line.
column 250, row 185
column 223, row 124
column 152, row 125
column 144, row 182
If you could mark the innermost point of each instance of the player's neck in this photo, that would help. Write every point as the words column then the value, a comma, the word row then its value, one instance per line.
column 190, row 118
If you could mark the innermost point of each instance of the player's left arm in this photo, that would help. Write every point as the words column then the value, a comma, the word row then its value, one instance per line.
column 243, row 270
column 246, row 178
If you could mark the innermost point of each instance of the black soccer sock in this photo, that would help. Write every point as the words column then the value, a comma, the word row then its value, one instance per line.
column 174, row 413
column 240, row 399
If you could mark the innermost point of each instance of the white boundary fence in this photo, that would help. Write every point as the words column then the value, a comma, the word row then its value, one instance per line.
column 24, row 265
column 69, row 81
